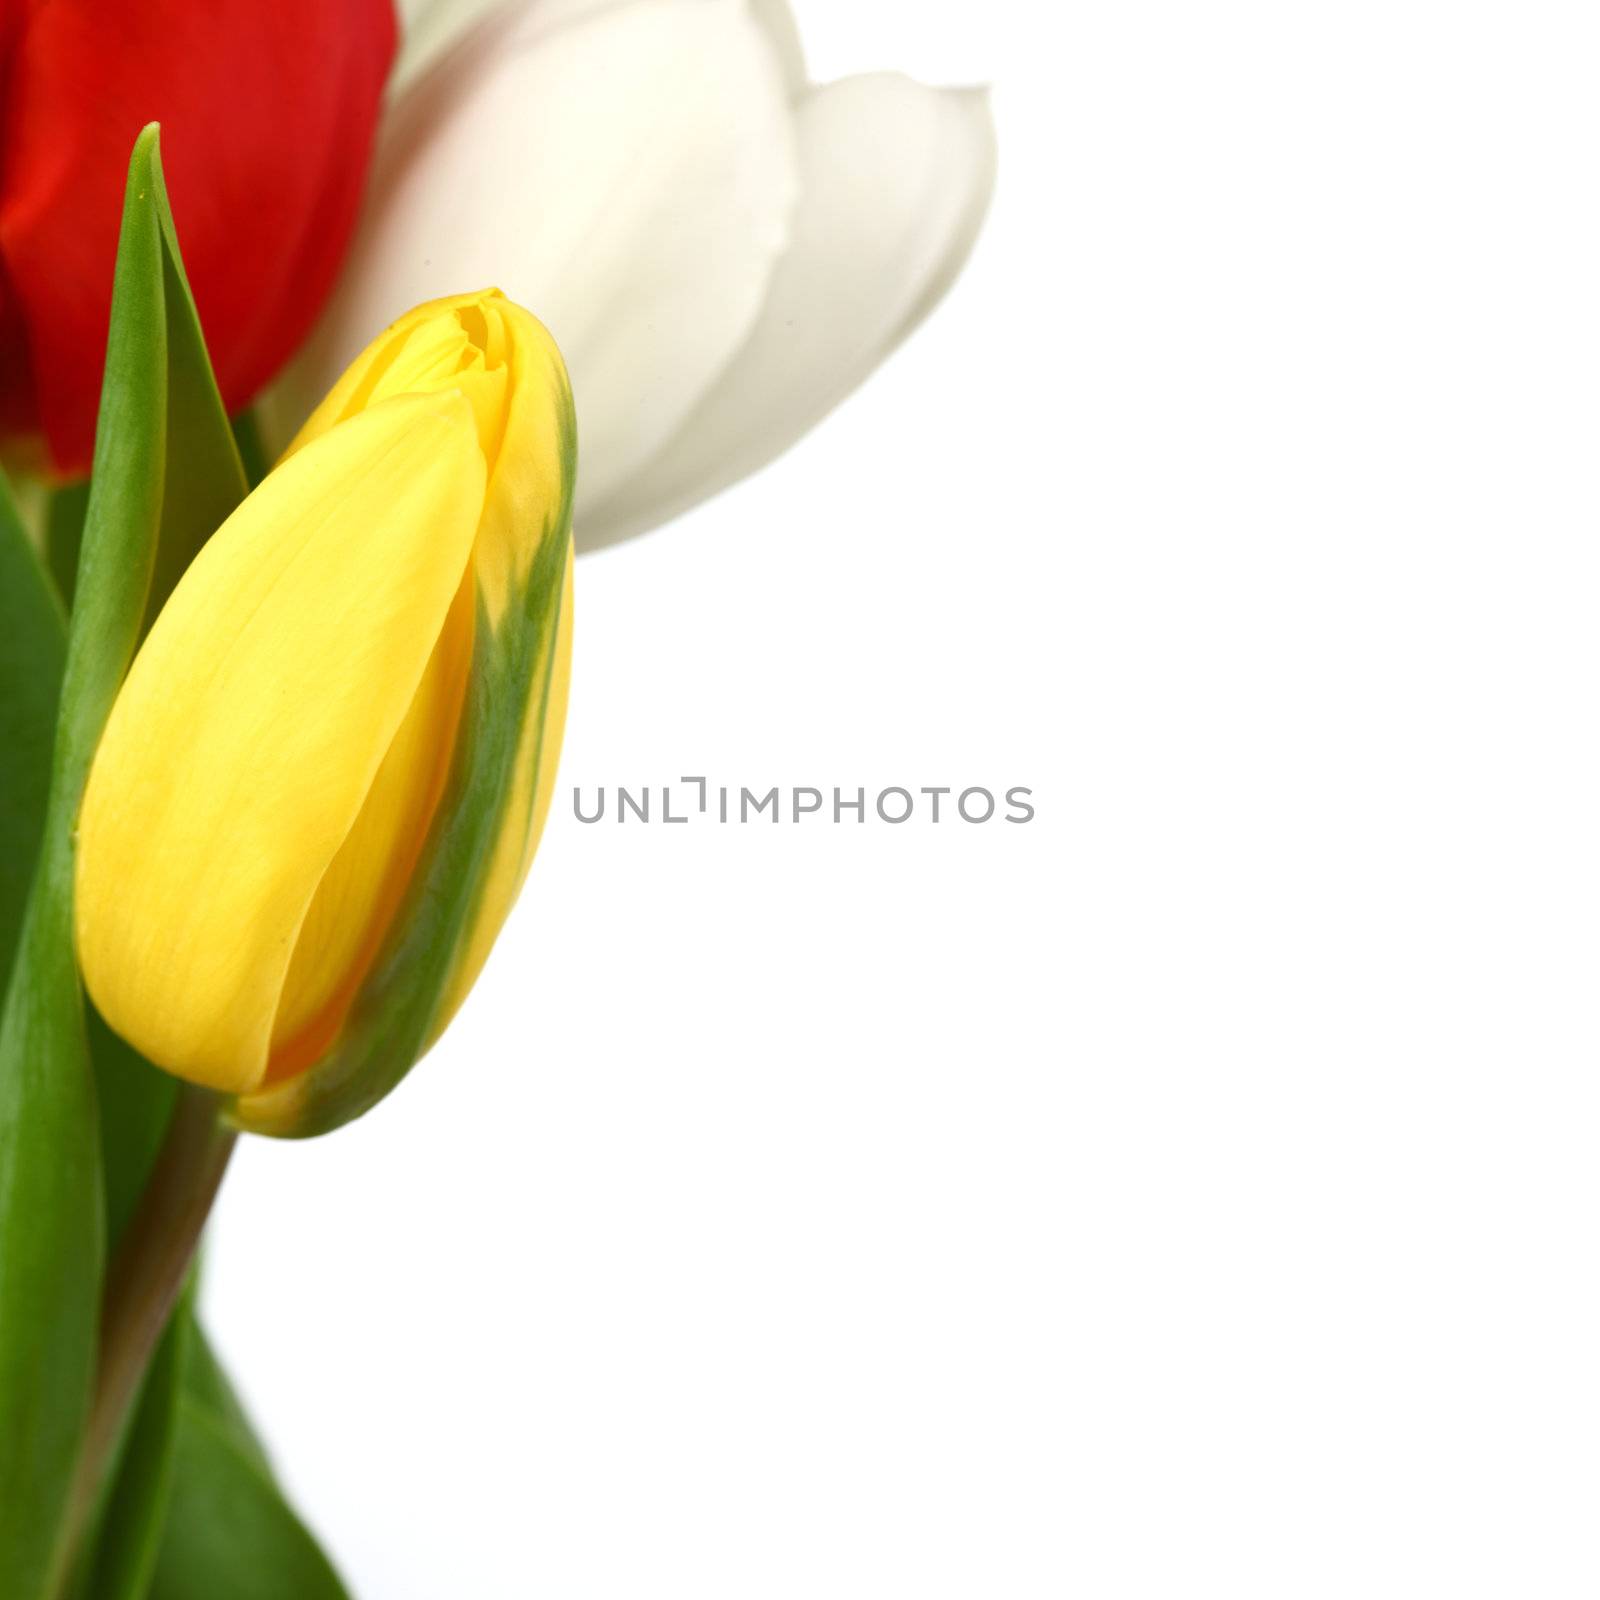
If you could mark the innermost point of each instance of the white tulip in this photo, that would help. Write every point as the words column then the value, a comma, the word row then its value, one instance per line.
column 722, row 250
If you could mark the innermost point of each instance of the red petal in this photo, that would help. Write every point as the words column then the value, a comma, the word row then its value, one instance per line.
column 268, row 110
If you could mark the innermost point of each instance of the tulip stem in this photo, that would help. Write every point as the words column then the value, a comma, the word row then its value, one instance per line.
column 145, row 1279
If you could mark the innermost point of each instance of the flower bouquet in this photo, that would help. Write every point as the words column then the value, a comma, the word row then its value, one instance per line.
column 287, row 536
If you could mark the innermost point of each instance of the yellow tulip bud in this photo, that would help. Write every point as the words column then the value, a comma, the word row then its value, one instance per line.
column 324, row 779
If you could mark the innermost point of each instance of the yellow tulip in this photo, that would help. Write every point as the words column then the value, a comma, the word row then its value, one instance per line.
column 324, row 779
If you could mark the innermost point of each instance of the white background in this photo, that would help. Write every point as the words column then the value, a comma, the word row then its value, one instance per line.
column 1191, row 1193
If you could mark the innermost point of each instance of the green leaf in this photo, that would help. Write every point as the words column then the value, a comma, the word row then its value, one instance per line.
column 209, row 1387
column 202, row 481
column 229, row 1532
column 33, row 650
column 136, row 1508
column 63, row 536
column 252, row 447
column 136, row 1102
column 133, row 1522
column 229, row 1529
column 51, row 1225
column 166, row 473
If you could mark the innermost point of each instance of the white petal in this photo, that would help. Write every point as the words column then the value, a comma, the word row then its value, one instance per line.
column 429, row 28
column 895, row 179
column 778, row 19
column 412, row 13
column 629, row 177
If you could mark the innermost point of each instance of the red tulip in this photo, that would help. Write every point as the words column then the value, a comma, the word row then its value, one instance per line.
column 268, row 109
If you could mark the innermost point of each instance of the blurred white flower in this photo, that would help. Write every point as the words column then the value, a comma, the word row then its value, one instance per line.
column 722, row 249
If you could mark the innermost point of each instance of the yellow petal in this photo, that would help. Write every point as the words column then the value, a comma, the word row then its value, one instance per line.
column 504, row 360
column 366, row 881
column 530, row 480
column 248, row 736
